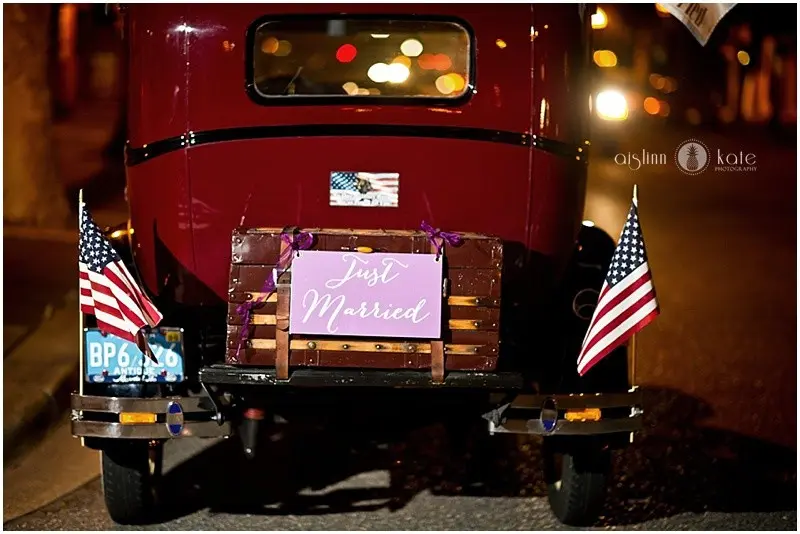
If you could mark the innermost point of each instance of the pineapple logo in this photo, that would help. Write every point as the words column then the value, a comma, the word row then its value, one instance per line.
column 691, row 157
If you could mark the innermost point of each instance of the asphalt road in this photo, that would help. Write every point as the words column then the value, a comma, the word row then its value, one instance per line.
column 718, row 369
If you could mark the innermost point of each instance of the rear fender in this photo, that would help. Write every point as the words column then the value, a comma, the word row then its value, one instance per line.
column 578, row 296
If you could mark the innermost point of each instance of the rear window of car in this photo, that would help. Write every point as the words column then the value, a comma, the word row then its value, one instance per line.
column 349, row 58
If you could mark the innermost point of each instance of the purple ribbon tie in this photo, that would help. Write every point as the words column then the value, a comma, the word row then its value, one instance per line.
column 298, row 242
column 438, row 238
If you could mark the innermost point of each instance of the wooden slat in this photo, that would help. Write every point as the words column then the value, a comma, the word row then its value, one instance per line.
column 464, row 300
column 474, row 313
column 363, row 346
column 455, row 300
column 454, row 324
column 262, row 319
column 489, row 339
column 261, row 246
column 367, row 360
column 471, row 324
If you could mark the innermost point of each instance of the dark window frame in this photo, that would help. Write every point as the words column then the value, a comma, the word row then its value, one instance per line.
column 311, row 100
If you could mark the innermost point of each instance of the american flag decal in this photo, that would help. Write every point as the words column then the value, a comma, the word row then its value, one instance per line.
column 379, row 189
column 627, row 301
column 108, row 291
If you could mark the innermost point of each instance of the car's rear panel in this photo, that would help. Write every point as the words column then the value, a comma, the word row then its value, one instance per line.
column 206, row 156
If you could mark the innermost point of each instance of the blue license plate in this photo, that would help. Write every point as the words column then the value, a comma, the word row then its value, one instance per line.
column 112, row 359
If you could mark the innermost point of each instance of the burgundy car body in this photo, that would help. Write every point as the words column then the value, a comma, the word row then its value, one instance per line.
column 203, row 156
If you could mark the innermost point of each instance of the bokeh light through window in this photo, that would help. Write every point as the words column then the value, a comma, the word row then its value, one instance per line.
column 364, row 57
column 346, row 53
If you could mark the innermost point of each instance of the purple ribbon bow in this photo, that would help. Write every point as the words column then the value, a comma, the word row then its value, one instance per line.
column 438, row 238
column 301, row 241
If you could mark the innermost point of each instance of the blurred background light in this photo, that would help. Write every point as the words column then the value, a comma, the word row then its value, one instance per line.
column 351, row 88
column 662, row 11
column 402, row 59
column 378, row 73
column 458, row 81
column 500, row 43
column 599, row 19
column 411, row 48
column 442, row 62
column 693, row 116
column 284, row 48
column 426, row 61
column 397, row 73
column 651, row 105
column 611, row 105
column 605, row 58
column 346, row 53
column 743, row 57
column 269, row 45
column 445, row 85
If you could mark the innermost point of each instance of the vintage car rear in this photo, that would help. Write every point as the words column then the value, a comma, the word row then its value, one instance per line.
column 255, row 127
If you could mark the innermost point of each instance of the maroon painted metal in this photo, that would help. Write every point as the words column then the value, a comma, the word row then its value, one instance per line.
column 187, row 75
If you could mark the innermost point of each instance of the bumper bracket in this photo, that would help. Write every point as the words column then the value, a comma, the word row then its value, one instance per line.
column 172, row 417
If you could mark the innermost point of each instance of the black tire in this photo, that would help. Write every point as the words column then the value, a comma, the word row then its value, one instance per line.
column 577, row 479
column 131, row 474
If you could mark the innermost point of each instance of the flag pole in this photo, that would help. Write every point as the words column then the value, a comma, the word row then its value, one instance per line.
column 80, row 312
column 632, row 356
column 80, row 316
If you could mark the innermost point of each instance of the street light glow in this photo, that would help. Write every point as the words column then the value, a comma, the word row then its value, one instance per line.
column 599, row 19
column 611, row 105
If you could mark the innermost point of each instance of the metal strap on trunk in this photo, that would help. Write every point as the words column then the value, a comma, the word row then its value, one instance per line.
column 282, row 327
column 437, row 346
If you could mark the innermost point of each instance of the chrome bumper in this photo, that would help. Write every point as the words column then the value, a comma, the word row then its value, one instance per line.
column 546, row 415
column 90, row 418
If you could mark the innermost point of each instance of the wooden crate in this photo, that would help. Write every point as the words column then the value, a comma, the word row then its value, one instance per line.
column 470, row 312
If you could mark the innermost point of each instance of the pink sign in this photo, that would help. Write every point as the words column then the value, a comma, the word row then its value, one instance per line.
column 356, row 294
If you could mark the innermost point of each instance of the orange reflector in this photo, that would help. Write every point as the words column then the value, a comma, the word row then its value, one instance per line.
column 589, row 414
column 134, row 418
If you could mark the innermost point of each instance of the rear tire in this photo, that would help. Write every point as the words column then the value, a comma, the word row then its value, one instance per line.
column 576, row 483
column 131, row 473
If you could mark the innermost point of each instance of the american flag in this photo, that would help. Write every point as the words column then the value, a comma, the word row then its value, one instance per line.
column 627, row 301
column 108, row 291
column 365, row 182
